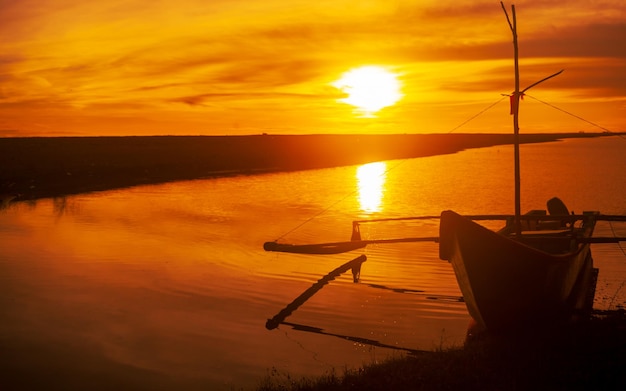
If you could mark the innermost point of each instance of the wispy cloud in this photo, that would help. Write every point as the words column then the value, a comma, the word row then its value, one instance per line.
column 179, row 66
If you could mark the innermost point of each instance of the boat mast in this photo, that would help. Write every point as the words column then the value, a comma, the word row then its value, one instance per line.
column 515, row 98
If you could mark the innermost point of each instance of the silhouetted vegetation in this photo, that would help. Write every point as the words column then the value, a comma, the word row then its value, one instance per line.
column 54, row 166
column 587, row 356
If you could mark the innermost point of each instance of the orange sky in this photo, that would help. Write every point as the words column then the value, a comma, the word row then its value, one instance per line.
column 139, row 67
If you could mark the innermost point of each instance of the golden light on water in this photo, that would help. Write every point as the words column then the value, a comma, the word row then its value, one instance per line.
column 371, row 183
column 369, row 89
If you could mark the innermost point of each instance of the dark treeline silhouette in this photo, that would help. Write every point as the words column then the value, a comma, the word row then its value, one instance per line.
column 55, row 166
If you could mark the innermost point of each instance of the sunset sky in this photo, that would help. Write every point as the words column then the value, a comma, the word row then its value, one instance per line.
column 234, row 67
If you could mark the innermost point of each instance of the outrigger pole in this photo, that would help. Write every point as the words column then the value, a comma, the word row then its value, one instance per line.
column 356, row 242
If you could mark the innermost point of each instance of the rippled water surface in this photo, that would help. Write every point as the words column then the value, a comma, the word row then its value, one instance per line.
column 168, row 286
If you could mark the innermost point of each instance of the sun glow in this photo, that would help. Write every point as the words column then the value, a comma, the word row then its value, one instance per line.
column 369, row 88
column 371, row 182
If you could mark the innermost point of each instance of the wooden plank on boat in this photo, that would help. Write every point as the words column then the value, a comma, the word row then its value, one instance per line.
column 611, row 217
column 542, row 217
column 608, row 239
column 437, row 217
column 547, row 232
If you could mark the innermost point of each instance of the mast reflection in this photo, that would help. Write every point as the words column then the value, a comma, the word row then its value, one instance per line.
column 371, row 179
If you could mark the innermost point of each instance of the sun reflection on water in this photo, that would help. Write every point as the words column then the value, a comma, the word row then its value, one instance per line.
column 371, row 183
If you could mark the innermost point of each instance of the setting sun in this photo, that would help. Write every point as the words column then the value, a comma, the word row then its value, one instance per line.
column 224, row 67
column 369, row 88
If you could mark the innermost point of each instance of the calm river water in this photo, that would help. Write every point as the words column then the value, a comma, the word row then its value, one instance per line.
column 168, row 287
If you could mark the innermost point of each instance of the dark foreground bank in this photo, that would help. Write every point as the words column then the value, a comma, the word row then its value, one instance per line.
column 588, row 356
column 33, row 168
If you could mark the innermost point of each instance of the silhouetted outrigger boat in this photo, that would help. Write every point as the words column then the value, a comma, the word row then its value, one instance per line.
column 511, row 280
column 508, row 279
column 537, row 269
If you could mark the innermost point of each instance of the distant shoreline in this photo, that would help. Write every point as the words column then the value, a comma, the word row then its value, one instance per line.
column 44, row 167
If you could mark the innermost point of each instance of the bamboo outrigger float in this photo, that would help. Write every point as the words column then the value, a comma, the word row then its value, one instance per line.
column 538, row 267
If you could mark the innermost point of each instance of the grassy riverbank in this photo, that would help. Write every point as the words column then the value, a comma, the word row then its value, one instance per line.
column 587, row 356
column 32, row 168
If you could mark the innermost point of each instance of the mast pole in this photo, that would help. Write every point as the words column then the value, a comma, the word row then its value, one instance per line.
column 515, row 98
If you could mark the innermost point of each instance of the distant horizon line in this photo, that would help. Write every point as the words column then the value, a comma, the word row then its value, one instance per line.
column 603, row 133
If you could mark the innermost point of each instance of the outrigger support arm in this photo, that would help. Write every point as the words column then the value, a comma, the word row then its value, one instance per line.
column 356, row 242
column 343, row 247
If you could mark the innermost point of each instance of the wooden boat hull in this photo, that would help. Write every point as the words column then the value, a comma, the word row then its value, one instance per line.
column 509, row 285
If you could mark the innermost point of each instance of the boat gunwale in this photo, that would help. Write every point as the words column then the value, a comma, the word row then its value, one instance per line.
column 576, row 234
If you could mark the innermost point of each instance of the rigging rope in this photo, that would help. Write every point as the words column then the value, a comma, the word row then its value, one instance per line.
column 573, row 115
column 353, row 192
column 316, row 215
column 619, row 244
column 402, row 161
column 479, row 113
